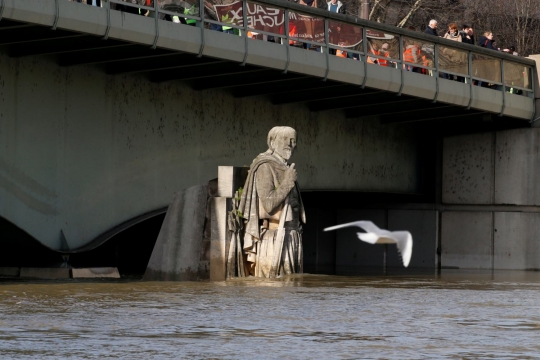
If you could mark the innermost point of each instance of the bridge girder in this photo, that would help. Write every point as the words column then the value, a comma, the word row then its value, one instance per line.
column 117, row 57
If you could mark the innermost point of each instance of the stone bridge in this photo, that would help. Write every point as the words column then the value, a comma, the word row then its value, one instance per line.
column 105, row 114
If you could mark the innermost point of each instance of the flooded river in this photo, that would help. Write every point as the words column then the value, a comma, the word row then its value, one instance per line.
column 455, row 315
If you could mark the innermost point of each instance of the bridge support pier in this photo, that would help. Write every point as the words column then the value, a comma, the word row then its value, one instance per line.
column 491, row 201
column 179, row 252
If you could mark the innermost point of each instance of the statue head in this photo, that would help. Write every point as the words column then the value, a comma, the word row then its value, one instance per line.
column 282, row 141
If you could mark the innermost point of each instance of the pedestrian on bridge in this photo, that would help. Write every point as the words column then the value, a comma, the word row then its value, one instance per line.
column 487, row 41
column 467, row 34
column 432, row 28
column 336, row 6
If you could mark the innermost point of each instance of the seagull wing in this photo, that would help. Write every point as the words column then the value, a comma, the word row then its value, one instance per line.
column 404, row 245
column 374, row 235
column 367, row 226
column 369, row 237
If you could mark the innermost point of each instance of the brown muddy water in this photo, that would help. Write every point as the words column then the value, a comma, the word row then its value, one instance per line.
column 454, row 315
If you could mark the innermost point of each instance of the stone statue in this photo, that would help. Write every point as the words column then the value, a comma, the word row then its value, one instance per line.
column 267, row 217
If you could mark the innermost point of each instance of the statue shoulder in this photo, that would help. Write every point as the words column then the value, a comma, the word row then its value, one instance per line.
column 266, row 159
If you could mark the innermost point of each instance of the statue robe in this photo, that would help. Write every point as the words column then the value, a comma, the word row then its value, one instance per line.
column 261, row 206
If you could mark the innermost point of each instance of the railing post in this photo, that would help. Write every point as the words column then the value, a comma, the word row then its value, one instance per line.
column 56, row 15
column 327, row 44
column 532, row 77
column 436, row 60
column 287, row 45
column 201, row 25
column 503, row 89
column 108, row 28
column 245, row 27
column 156, row 15
column 365, row 51
column 402, row 65
column 469, row 61
column 531, row 80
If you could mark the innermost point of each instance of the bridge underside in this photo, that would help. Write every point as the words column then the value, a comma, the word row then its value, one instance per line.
column 116, row 57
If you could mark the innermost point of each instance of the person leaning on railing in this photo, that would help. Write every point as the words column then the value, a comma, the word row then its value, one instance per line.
column 467, row 34
column 486, row 40
column 467, row 37
column 431, row 29
column 452, row 55
column 310, row 3
column 384, row 52
column 411, row 55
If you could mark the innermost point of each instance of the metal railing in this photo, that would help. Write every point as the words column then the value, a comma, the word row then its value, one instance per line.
column 348, row 37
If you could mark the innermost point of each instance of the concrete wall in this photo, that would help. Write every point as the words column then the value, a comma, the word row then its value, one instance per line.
column 492, row 198
column 82, row 151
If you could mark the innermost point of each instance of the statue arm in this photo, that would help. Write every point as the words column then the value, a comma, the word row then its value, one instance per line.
column 271, row 195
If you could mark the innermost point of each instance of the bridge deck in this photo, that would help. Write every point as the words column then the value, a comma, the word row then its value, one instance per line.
column 284, row 73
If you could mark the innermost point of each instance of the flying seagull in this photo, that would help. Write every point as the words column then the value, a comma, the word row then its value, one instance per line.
column 374, row 235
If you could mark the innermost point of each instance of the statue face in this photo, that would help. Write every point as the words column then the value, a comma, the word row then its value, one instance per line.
column 284, row 144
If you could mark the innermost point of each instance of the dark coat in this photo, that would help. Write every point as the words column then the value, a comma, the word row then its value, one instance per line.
column 431, row 31
column 485, row 42
column 465, row 39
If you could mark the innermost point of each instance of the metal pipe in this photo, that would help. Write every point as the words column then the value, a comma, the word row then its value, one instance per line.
column 2, row 5
column 327, row 44
column 245, row 28
column 286, row 24
column 201, row 23
column 531, row 80
column 503, row 89
column 365, row 50
column 436, row 58
column 108, row 28
column 156, row 15
column 469, row 59
column 57, row 15
column 402, row 65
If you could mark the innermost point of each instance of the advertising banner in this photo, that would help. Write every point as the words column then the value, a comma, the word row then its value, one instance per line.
column 269, row 19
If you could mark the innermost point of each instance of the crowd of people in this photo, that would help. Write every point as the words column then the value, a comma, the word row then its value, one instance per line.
column 466, row 35
column 416, row 56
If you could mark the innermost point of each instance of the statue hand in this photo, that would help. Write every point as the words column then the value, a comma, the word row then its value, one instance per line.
column 290, row 174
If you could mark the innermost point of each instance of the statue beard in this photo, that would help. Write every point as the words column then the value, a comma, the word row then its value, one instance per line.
column 285, row 153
